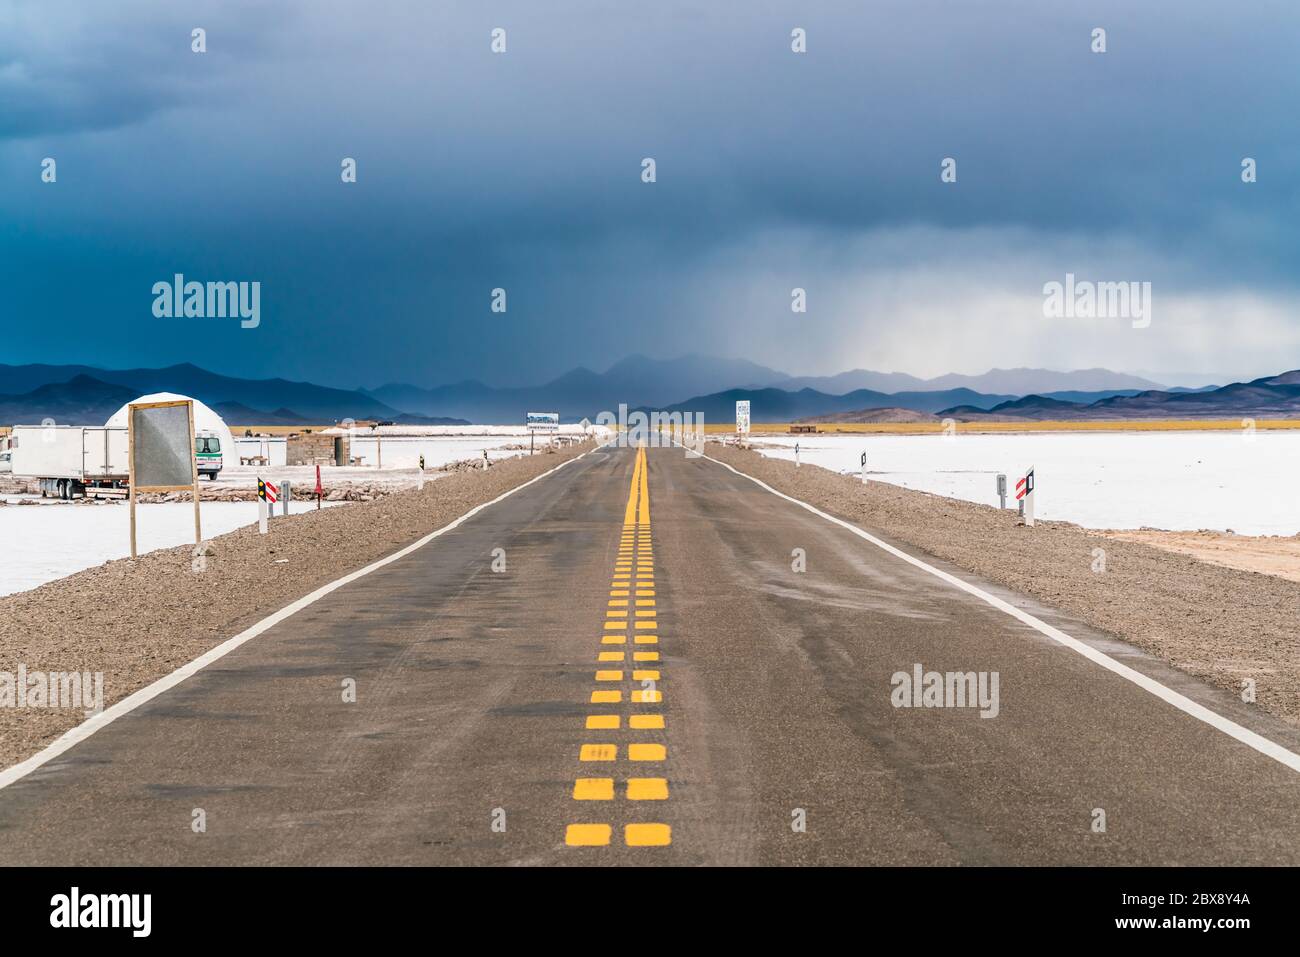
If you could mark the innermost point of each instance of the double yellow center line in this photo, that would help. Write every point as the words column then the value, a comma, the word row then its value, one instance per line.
column 631, row 610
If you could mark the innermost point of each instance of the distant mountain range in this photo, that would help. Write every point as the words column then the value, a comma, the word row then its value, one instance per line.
column 86, row 395
column 778, row 405
column 314, row 402
column 995, row 381
column 636, row 380
column 1270, row 397
column 661, row 383
column 81, row 400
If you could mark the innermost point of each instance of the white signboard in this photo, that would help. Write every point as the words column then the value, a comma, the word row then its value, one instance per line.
column 160, row 444
column 742, row 417
column 543, row 421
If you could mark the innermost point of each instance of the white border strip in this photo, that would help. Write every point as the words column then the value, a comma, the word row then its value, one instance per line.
column 81, row 732
column 1215, row 720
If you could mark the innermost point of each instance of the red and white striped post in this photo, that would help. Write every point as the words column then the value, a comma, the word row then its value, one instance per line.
column 266, row 497
column 1025, row 495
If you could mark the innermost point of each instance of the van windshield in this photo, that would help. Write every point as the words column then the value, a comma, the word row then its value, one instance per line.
column 206, row 444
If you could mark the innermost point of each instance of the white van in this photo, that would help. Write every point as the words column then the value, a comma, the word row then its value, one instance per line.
column 207, row 454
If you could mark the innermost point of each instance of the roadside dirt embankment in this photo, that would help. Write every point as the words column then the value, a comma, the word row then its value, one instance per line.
column 1267, row 554
column 1219, row 624
column 136, row 621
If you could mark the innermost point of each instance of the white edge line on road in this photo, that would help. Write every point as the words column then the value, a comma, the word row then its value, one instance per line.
column 81, row 732
column 1215, row 720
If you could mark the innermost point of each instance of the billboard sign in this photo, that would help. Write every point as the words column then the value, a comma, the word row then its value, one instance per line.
column 543, row 421
column 742, row 417
column 161, row 440
column 160, row 454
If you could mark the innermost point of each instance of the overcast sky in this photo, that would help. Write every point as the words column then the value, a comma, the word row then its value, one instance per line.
column 775, row 170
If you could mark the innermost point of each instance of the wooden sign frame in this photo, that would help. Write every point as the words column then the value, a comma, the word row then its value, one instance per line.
column 193, row 487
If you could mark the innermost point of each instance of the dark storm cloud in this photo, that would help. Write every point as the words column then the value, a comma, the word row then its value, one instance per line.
column 521, row 170
column 70, row 68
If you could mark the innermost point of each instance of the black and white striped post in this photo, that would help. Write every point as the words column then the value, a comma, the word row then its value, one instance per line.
column 864, row 468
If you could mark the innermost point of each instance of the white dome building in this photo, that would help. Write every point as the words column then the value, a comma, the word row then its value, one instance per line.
column 205, row 420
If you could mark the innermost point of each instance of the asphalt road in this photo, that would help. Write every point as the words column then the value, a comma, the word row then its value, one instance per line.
column 499, row 719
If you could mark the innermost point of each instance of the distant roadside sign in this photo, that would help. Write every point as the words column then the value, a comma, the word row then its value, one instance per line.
column 742, row 417
column 543, row 421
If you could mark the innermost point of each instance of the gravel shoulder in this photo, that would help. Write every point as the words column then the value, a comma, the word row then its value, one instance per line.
column 1222, row 625
column 136, row 621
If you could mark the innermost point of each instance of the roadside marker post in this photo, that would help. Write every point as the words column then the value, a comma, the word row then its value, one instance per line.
column 266, row 496
column 287, row 497
column 796, row 455
column 1025, row 495
column 864, row 468
column 318, row 488
column 1002, row 490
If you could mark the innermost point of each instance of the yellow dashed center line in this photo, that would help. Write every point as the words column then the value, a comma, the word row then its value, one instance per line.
column 587, row 835
column 598, row 752
column 646, row 835
column 634, row 552
column 645, row 789
column 594, row 789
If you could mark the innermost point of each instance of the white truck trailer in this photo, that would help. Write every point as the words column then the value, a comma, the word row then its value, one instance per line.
column 67, row 460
